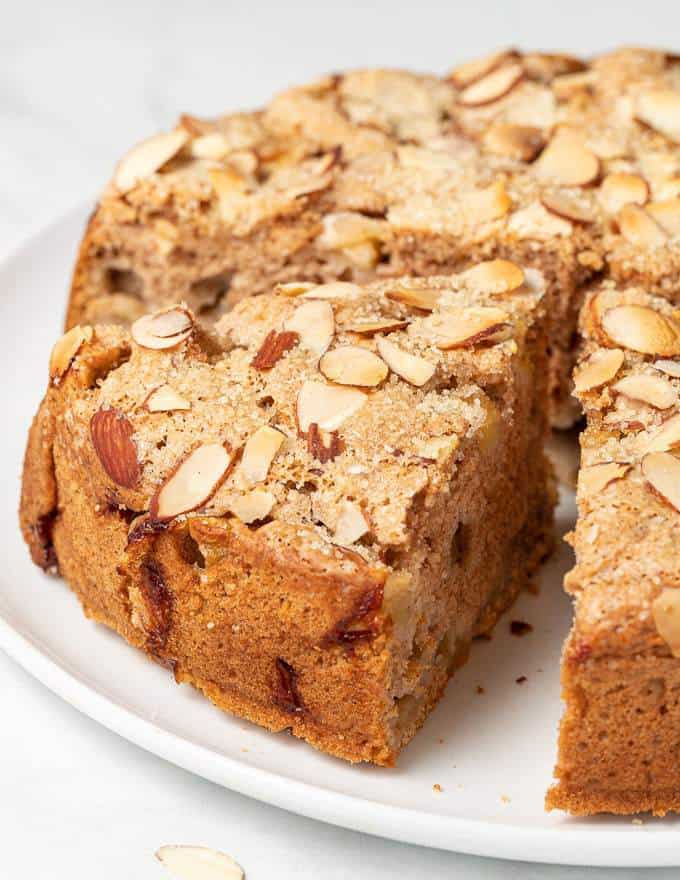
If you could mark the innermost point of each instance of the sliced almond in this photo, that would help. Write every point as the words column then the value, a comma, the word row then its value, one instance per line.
column 667, row 437
column 642, row 329
column 163, row 329
column 471, row 71
column 370, row 328
column 415, row 297
column 493, row 276
column 166, row 399
column 459, row 328
column 213, row 145
column 293, row 288
column 567, row 161
column 639, row 227
column 620, row 189
column 327, row 406
column 148, row 157
column 670, row 368
column 353, row 365
column 567, row 207
column 111, row 434
column 596, row 477
column 343, row 290
column 259, row 453
column 199, row 863
column 568, row 84
column 492, row 87
column 66, row 350
column 485, row 205
column 253, row 506
column 315, row 325
column 193, row 482
column 667, row 215
column 598, row 369
column 411, row 367
column 666, row 614
column 350, row 525
column 662, row 472
column 520, row 142
column 660, row 109
column 653, row 390
column 348, row 228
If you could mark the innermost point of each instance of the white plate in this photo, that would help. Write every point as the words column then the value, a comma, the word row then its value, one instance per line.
column 492, row 753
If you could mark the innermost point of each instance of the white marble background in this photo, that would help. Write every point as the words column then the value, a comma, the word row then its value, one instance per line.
column 78, row 83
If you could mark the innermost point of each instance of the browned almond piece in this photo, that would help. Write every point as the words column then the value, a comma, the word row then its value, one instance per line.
column 660, row 109
column 598, row 369
column 411, row 367
column 568, row 84
column 148, row 157
column 353, row 365
column 213, row 145
column 666, row 614
column 471, row 71
column 273, row 348
column 415, row 298
column 653, row 390
column 344, row 290
column 620, row 189
column 642, row 329
column 166, row 399
column 597, row 477
column 568, row 207
column 459, row 328
column 639, row 227
column 493, row 86
column 111, row 433
column 194, row 481
column 66, row 350
column 494, row 276
column 314, row 323
column 370, row 328
column 545, row 66
column 323, row 445
column 293, row 288
column 348, row 228
column 350, row 525
column 485, row 205
column 252, row 506
column 327, row 406
column 163, row 329
column 521, row 142
column 567, row 161
column 199, row 863
column 259, row 453
column 662, row 472
column 670, row 368
column 667, row 215
column 667, row 437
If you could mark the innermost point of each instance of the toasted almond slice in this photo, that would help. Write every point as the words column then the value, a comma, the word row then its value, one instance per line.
column 620, row 189
column 567, row 161
column 493, row 276
column 415, row 297
column 567, row 84
column 670, row 368
column 213, row 145
column 545, row 66
column 166, row 399
column 259, row 453
column 148, row 157
column 493, row 86
column 666, row 614
column 471, row 71
column 333, row 290
column 193, row 482
column 667, row 215
column 370, row 328
column 568, row 207
column 199, row 863
column 350, row 525
column 667, row 437
column 66, row 349
column 348, row 228
column 639, row 227
column 653, row 390
column 315, row 325
column 660, row 109
column 596, row 477
column 642, row 329
column 411, row 367
column 163, row 329
column 293, row 288
column 353, row 365
column 458, row 328
column 485, row 205
column 598, row 369
column 327, row 406
column 252, row 506
column 662, row 472
column 521, row 142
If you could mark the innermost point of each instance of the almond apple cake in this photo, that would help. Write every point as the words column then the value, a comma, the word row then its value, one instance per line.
column 620, row 735
column 309, row 511
column 566, row 166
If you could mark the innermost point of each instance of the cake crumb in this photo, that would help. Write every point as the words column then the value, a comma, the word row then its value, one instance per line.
column 480, row 689
column 437, row 787
column 505, row 799
column 636, row 822
column 521, row 679
column 520, row 627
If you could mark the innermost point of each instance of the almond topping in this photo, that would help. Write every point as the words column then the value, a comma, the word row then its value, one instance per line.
column 667, row 437
column 315, row 325
column 596, row 478
column 370, row 328
column 66, row 350
column 598, row 369
column 323, row 445
column 163, row 329
column 471, row 71
column 667, row 215
column 111, row 433
column 654, row 390
column 485, row 205
column 568, row 207
column 457, row 328
column 166, row 399
column 333, row 290
column 660, row 109
column 253, row 506
column 273, row 348
column 410, row 367
column 666, row 614
column 353, row 365
column 493, row 86
column 567, row 84
column 493, row 276
column 148, row 157
column 210, row 146
column 642, row 329
column 520, row 142
column 567, row 161
column 670, row 368
column 293, row 288
column 414, row 297
column 621, row 189
column 328, row 406
column 193, row 482
column 199, row 863
column 639, row 227
column 662, row 472
column 350, row 525
column 259, row 453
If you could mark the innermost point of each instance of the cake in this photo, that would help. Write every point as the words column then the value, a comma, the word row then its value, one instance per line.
column 618, row 745
column 310, row 510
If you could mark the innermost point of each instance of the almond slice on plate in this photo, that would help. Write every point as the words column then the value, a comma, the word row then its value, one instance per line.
column 660, row 109
column 199, row 863
column 520, row 142
column 111, row 433
column 166, row 399
column 653, row 390
column 662, row 472
column 597, row 477
column 598, row 369
column 314, row 323
column 639, row 328
column 148, row 157
column 620, row 189
column 66, row 350
column 667, row 215
column 259, row 453
column 568, row 207
column 666, row 614
column 639, row 227
column 414, row 297
column 412, row 368
column 327, row 406
column 567, row 161
column 333, row 290
column 353, row 365
column 670, row 368
column 193, row 482
column 350, row 525
column 252, row 506
column 667, row 437
column 493, row 276
column 459, row 328
column 163, row 329
column 492, row 87
column 471, row 71
column 370, row 328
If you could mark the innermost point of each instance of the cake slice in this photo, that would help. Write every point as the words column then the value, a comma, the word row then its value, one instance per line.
column 618, row 746
column 311, row 514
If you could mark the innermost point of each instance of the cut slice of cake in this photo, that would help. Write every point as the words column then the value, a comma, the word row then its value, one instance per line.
column 618, row 747
column 310, row 515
